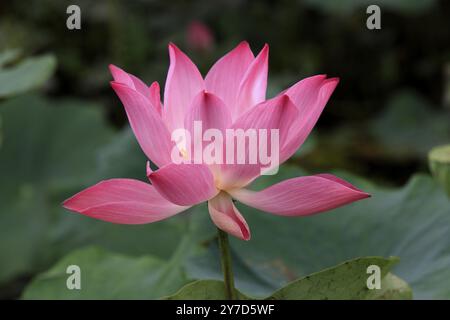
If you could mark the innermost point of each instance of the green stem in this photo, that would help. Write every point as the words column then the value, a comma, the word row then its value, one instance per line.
column 225, row 258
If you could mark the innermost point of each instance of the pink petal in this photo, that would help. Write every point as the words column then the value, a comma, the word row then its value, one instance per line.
column 338, row 180
column 184, row 184
column 148, row 169
column 183, row 83
column 140, row 86
column 124, row 201
column 212, row 113
column 227, row 218
column 301, row 196
column 154, row 96
column 147, row 125
column 226, row 74
column 252, row 89
column 133, row 82
column 129, row 80
column 210, row 110
column 277, row 113
column 310, row 96
column 121, row 76
column 304, row 92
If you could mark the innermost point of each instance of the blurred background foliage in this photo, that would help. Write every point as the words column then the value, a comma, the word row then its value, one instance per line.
column 404, row 63
column 390, row 108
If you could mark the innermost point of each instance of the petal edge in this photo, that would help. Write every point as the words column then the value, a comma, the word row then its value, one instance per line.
column 227, row 217
column 301, row 196
column 123, row 201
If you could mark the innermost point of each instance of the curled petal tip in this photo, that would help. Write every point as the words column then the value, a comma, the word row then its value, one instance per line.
column 244, row 43
column 65, row 205
column 202, row 95
column 227, row 217
column 117, row 85
column 155, row 84
column 285, row 98
column 149, row 170
column 173, row 47
column 264, row 51
column 121, row 76
column 69, row 202
column 333, row 80
column 209, row 96
column 113, row 68
column 362, row 195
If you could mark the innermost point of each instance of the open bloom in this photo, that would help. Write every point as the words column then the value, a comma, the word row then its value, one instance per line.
column 232, row 95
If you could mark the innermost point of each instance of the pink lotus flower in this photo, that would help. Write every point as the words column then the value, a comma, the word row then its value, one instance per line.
column 232, row 95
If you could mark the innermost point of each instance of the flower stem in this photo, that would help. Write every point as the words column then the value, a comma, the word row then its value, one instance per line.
column 225, row 258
